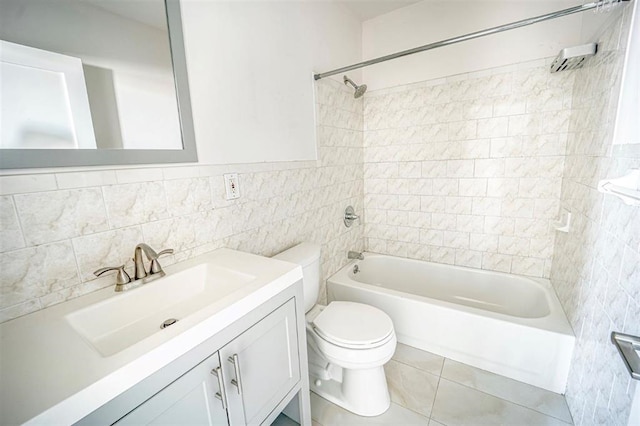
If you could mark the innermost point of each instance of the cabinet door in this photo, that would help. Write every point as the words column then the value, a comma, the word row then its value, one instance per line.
column 261, row 366
column 193, row 399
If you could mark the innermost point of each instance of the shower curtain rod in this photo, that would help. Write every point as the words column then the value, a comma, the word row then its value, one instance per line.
column 471, row 36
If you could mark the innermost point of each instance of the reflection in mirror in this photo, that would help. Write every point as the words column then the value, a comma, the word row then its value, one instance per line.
column 93, row 75
column 44, row 100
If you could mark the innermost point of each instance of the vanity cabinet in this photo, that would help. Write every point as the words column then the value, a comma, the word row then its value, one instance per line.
column 236, row 353
column 246, row 374
column 261, row 366
column 190, row 400
column 240, row 384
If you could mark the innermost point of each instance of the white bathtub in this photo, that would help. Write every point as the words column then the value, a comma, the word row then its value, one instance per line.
column 507, row 324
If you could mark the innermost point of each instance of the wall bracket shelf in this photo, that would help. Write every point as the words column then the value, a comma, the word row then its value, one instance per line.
column 564, row 224
column 627, row 187
column 628, row 347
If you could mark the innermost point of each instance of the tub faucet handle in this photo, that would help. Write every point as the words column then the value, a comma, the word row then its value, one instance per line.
column 350, row 216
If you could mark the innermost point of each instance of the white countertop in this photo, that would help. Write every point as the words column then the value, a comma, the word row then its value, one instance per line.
column 50, row 375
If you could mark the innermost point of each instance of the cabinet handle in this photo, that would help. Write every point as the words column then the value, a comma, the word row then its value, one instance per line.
column 236, row 366
column 220, row 395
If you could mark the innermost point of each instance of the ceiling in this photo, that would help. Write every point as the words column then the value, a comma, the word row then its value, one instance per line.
column 150, row 13
column 368, row 9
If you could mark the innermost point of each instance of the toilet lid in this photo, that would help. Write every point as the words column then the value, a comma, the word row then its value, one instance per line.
column 353, row 323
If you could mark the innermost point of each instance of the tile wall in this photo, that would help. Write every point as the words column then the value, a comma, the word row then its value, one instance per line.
column 596, row 266
column 57, row 228
column 467, row 170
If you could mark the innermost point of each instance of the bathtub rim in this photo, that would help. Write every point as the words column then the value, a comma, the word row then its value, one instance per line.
column 556, row 321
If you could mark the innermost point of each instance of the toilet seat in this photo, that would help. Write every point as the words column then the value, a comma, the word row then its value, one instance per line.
column 353, row 325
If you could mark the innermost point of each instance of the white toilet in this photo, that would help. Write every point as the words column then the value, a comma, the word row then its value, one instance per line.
column 348, row 343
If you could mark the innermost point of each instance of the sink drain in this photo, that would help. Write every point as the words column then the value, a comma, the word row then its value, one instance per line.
column 168, row 322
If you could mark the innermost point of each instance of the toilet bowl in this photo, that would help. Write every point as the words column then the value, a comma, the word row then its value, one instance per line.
column 353, row 374
column 348, row 343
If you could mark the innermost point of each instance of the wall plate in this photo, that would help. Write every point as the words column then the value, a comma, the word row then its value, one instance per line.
column 231, row 185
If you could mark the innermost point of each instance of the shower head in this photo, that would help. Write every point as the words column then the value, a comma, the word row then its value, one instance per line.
column 573, row 58
column 359, row 89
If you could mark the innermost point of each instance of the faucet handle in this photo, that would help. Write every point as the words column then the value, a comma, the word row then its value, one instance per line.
column 165, row 251
column 155, row 267
column 121, row 278
column 349, row 216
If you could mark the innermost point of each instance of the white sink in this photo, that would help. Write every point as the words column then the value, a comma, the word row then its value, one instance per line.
column 126, row 318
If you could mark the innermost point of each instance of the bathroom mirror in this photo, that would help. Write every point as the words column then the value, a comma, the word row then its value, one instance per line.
column 93, row 82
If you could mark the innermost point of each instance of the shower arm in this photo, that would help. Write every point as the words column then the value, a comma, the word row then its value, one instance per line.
column 471, row 36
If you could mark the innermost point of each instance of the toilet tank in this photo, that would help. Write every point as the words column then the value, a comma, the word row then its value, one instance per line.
column 306, row 255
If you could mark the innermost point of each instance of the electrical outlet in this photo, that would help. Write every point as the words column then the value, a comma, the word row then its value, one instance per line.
column 232, row 186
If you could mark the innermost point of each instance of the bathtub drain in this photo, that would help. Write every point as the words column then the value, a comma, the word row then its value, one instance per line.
column 168, row 322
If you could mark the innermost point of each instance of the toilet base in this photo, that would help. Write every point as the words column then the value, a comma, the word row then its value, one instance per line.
column 363, row 392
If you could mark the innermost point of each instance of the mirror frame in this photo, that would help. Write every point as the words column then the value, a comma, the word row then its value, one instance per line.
column 38, row 158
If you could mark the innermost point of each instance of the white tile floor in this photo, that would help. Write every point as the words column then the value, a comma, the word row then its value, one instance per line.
column 427, row 389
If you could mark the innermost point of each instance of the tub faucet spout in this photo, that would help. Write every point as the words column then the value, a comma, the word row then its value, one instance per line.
column 355, row 255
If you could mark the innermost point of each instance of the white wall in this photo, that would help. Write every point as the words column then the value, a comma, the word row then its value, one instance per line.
column 183, row 207
column 627, row 130
column 56, row 228
column 431, row 21
column 250, row 71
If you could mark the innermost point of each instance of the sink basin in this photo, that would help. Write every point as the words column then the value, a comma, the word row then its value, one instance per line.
column 126, row 318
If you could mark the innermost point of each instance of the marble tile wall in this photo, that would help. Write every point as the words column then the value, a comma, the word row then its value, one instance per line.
column 467, row 170
column 57, row 228
column 596, row 266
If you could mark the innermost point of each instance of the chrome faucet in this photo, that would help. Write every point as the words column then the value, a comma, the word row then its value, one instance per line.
column 124, row 281
column 355, row 255
column 154, row 267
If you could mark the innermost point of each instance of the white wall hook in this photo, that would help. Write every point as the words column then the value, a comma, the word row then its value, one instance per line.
column 627, row 187
column 563, row 225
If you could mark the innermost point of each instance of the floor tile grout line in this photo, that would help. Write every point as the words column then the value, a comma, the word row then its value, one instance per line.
column 417, row 368
column 409, row 409
column 503, row 399
column 412, row 410
column 440, row 377
column 506, row 400
column 392, row 403
column 435, row 394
